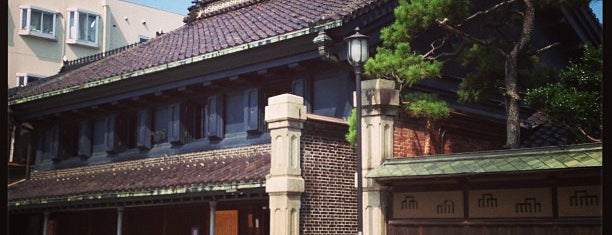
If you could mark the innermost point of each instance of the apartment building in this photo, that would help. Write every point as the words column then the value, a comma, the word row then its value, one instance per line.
column 42, row 34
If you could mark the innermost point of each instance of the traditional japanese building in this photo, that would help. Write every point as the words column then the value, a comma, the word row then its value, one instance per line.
column 235, row 123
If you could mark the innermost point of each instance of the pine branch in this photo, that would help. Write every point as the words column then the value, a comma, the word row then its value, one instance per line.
column 450, row 54
column 588, row 136
column 427, row 55
column 543, row 49
column 399, row 81
column 487, row 11
column 444, row 24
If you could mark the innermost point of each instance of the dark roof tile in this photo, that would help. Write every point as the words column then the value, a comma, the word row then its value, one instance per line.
column 143, row 175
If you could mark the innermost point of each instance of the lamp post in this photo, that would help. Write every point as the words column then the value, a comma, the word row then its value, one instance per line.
column 357, row 54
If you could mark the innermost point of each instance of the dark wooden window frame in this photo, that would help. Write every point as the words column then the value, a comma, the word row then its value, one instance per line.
column 196, row 119
column 68, row 140
column 214, row 117
column 48, row 143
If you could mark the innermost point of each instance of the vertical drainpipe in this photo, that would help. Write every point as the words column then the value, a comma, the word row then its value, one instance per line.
column 63, row 37
column 12, row 130
column 213, row 207
column 105, row 25
column 119, row 220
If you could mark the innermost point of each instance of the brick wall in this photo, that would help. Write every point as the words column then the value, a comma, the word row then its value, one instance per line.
column 459, row 133
column 328, row 168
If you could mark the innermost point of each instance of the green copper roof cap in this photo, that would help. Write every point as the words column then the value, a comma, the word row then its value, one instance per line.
column 528, row 159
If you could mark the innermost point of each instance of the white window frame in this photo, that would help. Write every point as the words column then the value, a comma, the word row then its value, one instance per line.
column 25, row 28
column 26, row 77
column 72, row 32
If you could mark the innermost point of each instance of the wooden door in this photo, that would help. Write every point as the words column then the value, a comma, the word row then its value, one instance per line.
column 226, row 222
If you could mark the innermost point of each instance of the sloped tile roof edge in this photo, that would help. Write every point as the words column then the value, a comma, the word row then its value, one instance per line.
column 162, row 191
column 414, row 166
column 183, row 175
column 190, row 60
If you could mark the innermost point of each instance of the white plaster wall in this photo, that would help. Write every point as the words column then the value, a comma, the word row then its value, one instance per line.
column 27, row 54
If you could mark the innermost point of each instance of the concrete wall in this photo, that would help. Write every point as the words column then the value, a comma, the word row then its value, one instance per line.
column 28, row 54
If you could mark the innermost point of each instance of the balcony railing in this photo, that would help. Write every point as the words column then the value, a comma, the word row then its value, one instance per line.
column 76, row 63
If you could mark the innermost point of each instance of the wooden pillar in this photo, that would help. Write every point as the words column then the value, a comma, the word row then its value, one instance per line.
column 285, row 115
column 119, row 220
column 213, row 209
column 46, row 223
column 380, row 100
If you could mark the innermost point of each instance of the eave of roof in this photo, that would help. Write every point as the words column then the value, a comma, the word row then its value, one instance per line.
column 502, row 161
column 190, row 60
column 207, row 38
column 162, row 191
column 178, row 175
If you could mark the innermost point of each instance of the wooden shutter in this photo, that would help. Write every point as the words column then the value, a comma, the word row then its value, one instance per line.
column 297, row 87
column 203, row 121
column 40, row 145
column 214, row 117
column 54, row 140
column 143, row 123
column 84, row 149
column 174, row 124
column 252, row 114
column 110, row 144
column 301, row 87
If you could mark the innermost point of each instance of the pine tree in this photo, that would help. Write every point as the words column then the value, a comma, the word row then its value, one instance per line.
column 575, row 99
column 491, row 41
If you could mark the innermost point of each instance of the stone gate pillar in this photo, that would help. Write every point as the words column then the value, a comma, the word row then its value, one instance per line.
column 285, row 115
column 379, row 100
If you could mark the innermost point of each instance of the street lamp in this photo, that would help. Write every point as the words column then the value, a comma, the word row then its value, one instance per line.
column 357, row 50
column 357, row 54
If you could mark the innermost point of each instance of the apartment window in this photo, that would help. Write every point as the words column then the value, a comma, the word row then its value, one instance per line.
column 23, row 79
column 37, row 22
column 82, row 28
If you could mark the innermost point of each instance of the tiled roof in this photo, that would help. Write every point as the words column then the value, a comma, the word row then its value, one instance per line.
column 240, row 29
column 516, row 160
column 547, row 134
column 539, row 131
column 187, row 173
